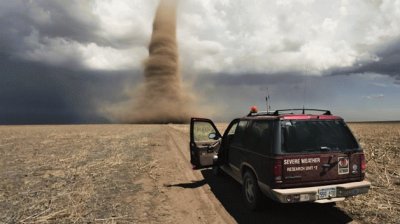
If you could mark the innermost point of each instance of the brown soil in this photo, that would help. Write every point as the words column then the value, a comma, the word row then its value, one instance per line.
column 141, row 174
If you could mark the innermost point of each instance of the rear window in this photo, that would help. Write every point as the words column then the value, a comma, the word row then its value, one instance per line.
column 316, row 136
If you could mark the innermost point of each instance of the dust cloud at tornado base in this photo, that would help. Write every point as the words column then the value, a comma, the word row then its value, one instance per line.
column 161, row 98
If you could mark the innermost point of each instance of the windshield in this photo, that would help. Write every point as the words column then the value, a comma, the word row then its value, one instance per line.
column 312, row 136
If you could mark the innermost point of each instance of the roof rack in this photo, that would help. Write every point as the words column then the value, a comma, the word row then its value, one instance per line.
column 278, row 112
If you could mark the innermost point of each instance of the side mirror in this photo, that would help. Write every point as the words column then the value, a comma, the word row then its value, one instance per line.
column 212, row 136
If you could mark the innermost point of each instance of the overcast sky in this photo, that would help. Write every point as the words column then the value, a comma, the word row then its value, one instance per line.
column 65, row 61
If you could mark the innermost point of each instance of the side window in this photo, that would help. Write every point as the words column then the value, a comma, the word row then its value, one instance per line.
column 260, row 136
column 233, row 129
column 201, row 131
column 240, row 134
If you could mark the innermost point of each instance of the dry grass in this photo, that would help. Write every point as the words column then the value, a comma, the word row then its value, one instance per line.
column 72, row 174
column 381, row 144
column 185, row 128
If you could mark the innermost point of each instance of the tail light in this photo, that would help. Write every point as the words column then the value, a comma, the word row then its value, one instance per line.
column 363, row 163
column 278, row 171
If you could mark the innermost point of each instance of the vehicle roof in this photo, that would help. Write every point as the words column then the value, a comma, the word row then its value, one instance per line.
column 293, row 117
column 290, row 114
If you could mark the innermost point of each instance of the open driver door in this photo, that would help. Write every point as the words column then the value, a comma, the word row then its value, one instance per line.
column 205, row 141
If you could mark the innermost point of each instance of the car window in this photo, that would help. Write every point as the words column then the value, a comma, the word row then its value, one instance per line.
column 239, row 134
column 233, row 129
column 259, row 137
column 316, row 136
column 201, row 131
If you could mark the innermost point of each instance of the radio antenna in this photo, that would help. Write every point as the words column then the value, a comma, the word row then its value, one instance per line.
column 304, row 93
column 268, row 101
column 307, row 70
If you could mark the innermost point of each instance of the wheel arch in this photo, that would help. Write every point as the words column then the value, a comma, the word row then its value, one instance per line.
column 246, row 166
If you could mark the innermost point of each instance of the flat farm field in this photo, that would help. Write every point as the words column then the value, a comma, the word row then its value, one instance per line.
column 142, row 174
column 381, row 144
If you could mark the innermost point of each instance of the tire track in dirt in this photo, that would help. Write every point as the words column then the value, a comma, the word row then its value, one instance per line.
column 178, row 141
column 176, row 192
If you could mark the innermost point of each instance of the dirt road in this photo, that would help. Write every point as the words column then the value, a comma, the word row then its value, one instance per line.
column 187, row 195
column 124, row 174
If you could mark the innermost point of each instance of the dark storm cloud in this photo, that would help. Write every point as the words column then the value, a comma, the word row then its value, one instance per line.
column 36, row 93
column 73, row 20
column 57, row 87
column 67, row 19
column 284, row 87
column 388, row 63
column 56, row 32
column 252, row 79
column 49, row 50
column 27, row 26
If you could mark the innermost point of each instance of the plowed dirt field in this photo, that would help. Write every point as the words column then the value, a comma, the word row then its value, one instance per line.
column 142, row 174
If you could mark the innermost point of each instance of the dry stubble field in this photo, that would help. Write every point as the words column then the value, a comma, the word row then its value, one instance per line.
column 141, row 173
column 381, row 144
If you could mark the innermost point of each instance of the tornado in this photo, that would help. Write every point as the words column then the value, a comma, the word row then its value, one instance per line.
column 161, row 98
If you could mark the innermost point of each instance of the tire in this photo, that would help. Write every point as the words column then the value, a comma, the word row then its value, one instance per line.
column 251, row 191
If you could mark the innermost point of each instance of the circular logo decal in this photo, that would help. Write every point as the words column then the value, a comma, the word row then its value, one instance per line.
column 343, row 162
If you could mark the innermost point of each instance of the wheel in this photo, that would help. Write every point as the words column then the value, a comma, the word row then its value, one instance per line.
column 251, row 191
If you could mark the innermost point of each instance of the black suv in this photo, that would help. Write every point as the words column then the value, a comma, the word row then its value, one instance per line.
column 289, row 157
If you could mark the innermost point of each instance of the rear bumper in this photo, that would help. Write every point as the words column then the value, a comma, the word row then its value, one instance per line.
column 312, row 194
